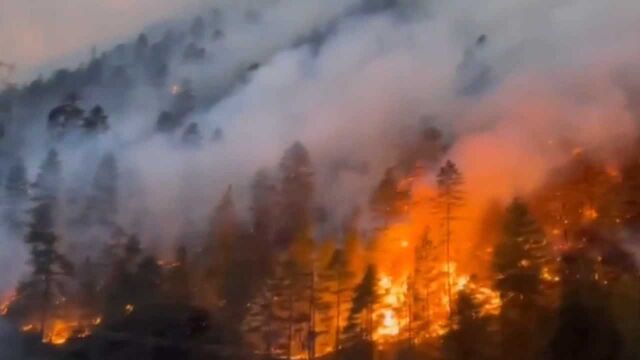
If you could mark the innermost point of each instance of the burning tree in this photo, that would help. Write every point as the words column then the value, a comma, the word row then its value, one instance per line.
column 361, row 323
column 50, row 266
column 219, row 251
column 388, row 200
column 296, row 193
column 422, row 284
column 341, row 280
column 449, row 199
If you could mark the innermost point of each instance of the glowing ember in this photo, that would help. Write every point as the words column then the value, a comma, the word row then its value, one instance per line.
column 590, row 213
column 128, row 309
column 547, row 275
column 6, row 302
column 176, row 89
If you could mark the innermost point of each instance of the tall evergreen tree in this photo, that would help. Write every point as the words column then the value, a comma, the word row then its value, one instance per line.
column 50, row 266
column 102, row 206
column 296, row 192
column 586, row 329
column 448, row 201
column 224, row 234
column 341, row 279
column 178, row 281
column 361, row 317
column 423, row 280
column 519, row 258
column 388, row 200
column 17, row 195
column 520, row 255
column 470, row 336
column 119, row 290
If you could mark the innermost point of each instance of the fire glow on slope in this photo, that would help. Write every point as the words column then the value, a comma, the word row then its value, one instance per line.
column 399, row 316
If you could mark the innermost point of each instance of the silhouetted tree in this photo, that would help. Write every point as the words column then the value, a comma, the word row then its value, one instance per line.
column 141, row 47
column 519, row 259
column 50, row 266
column 448, row 201
column 388, row 199
column 102, row 206
column 192, row 136
column 470, row 337
column 340, row 278
column 296, row 192
column 167, row 122
column 198, row 28
column 361, row 317
column 178, row 280
column 96, row 122
column 585, row 330
column 16, row 195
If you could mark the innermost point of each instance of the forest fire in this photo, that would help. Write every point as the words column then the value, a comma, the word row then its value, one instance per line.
column 5, row 303
column 386, row 181
column 59, row 331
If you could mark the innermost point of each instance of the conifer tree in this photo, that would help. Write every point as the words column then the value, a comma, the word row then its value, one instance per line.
column 361, row 317
column 224, row 234
column 520, row 255
column 448, row 201
column 388, row 200
column 16, row 195
column 102, row 206
column 422, row 282
column 470, row 337
column 50, row 266
column 296, row 191
column 340, row 278
column 178, row 281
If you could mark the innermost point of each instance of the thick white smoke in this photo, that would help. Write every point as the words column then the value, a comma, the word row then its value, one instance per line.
column 541, row 81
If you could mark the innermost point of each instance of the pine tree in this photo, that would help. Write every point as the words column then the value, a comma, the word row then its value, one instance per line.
column 320, row 308
column 141, row 47
column 50, row 266
column 102, row 206
column 360, row 325
column 388, row 200
column 586, row 329
column 147, row 281
column 520, row 255
column 224, row 234
column 519, row 258
column 422, row 282
column 119, row 290
column 296, row 192
column 264, row 206
column 191, row 135
column 178, row 281
column 17, row 195
column 88, row 281
column 448, row 201
column 266, row 323
column 299, row 270
column 340, row 278
column 470, row 336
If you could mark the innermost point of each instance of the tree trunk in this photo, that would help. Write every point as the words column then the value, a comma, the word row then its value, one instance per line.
column 46, row 295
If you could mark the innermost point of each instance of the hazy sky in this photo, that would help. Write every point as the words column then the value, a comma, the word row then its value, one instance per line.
column 34, row 33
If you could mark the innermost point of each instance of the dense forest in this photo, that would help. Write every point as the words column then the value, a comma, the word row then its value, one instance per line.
column 130, row 248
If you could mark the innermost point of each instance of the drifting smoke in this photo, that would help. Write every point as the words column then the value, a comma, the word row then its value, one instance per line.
column 54, row 33
column 354, row 83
